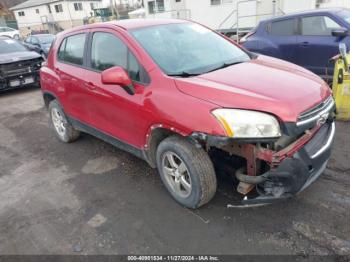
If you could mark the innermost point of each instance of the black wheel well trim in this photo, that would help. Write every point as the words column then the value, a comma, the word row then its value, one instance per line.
column 48, row 97
column 157, row 134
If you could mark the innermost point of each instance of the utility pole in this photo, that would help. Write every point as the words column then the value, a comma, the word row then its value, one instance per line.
column 274, row 7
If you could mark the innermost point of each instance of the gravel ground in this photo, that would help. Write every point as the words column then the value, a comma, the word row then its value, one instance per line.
column 91, row 198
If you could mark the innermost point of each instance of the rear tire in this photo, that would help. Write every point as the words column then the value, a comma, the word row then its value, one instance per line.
column 186, row 171
column 63, row 129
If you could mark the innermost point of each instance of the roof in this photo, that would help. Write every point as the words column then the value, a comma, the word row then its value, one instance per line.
column 145, row 22
column 128, row 24
column 32, row 3
column 309, row 12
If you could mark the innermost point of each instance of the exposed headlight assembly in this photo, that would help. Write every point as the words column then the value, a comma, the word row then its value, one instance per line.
column 247, row 124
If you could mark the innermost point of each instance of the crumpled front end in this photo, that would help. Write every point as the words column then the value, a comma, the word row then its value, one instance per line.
column 20, row 73
column 270, row 171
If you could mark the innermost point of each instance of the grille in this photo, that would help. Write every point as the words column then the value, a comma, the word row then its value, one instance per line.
column 21, row 67
column 316, row 112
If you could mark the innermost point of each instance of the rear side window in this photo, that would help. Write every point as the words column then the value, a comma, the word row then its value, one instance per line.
column 318, row 26
column 107, row 51
column 283, row 28
column 72, row 49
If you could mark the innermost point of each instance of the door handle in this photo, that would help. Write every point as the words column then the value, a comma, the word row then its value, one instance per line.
column 57, row 70
column 90, row 85
column 305, row 44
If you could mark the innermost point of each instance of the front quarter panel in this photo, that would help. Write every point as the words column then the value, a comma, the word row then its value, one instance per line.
column 177, row 111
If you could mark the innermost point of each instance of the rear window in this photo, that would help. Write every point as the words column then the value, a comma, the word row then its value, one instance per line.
column 10, row 46
column 283, row 28
column 72, row 49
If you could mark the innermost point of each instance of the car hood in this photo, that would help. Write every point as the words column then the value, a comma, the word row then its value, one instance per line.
column 263, row 84
column 17, row 56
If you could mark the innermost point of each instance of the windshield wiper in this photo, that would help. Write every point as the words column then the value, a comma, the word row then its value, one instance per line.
column 184, row 74
column 224, row 65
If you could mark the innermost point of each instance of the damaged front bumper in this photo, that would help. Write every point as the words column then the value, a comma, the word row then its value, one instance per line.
column 290, row 170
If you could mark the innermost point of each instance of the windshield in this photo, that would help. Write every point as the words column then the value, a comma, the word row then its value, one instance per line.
column 188, row 49
column 46, row 39
column 10, row 46
column 345, row 14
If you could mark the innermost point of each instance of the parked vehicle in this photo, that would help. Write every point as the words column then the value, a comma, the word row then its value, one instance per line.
column 185, row 99
column 40, row 43
column 9, row 32
column 309, row 39
column 18, row 66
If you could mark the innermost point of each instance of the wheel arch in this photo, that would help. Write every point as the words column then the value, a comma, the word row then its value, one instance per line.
column 156, row 134
column 48, row 97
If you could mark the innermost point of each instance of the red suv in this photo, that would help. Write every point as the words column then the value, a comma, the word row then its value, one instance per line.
column 186, row 99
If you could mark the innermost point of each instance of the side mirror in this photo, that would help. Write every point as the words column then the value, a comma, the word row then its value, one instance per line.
column 118, row 76
column 340, row 32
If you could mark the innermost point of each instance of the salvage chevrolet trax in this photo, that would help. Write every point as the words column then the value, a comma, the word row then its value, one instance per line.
column 190, row 102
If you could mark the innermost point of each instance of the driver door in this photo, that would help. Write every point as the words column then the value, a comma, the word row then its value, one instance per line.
column 113, row 111
column 316, row 44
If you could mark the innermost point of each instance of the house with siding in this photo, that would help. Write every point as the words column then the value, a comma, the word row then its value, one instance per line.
column 230, row 14
column 52, row 15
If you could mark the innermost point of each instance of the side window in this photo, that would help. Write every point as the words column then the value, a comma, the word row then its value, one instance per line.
column 107, row 51
column 318, row 26
column 283, row 28
column 133, row 67
column 72, row 49
column 61, row 50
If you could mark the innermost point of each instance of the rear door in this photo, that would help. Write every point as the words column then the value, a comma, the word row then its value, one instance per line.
column 281, row 39
column 316, row 45
column 70, row 67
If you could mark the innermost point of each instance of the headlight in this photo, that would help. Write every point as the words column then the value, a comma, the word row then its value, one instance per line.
column 247, row 124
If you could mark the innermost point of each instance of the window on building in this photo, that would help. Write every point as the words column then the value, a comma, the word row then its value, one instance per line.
column 49, row 8
column 283, row 28
column 92, row 6
column 107, row 51
column 318, row 26
column 21, row 13
column 37, row 11
column 72, row 49
column 215, row 2
column 156, row 6
column 78, row 6
column 177, row 1
column 219, row 2
column 58, row 8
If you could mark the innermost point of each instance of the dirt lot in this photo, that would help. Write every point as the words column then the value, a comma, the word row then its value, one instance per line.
column 90, row 198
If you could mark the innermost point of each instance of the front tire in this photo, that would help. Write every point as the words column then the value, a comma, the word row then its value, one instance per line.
column 63, row 129
column 186, row 171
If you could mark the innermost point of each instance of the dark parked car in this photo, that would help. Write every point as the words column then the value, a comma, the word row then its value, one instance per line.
column 18, row 66
column 40, row 43
column 183, row 97
column 308, row 39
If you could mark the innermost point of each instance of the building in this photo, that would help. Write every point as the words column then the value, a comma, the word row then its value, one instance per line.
column 333, row 3
column 224, row 14
column 7, row 18
column 52, row 15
